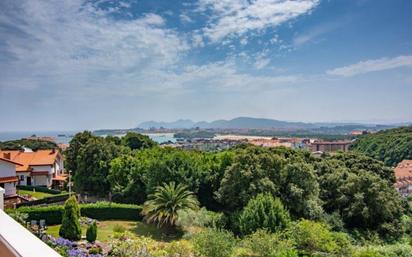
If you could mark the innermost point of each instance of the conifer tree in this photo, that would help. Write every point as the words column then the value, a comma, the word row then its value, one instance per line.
column 70, row 228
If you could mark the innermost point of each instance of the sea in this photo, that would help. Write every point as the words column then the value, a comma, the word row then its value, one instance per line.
column 64, row 137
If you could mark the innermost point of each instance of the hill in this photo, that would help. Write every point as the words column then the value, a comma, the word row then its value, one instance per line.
column 179, row 124
column 253, row 123
column 243, row 123
column 390, row 146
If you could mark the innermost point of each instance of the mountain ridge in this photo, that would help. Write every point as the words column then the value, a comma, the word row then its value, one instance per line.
column 242, row 123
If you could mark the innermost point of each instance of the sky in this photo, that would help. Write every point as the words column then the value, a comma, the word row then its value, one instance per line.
column 77, row 64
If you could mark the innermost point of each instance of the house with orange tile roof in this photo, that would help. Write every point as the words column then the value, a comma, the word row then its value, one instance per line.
column 8, row 177
column 38, row 168
column 403, row 174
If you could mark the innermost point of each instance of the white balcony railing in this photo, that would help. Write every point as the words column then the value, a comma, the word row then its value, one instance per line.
column 17, row 241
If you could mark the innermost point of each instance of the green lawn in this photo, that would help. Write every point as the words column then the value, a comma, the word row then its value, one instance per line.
column 105, row 230
column 37, row 195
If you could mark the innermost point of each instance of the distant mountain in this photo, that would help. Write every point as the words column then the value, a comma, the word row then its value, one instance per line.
column 179, row 124
column 236, row 123
column 260, row 123
column 252, row 123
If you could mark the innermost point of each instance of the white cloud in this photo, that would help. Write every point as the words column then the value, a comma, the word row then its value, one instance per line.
column 312, row 34
column 225, row 77
column 184, row 18
column 74, row 45
column 372, row 65
column 261, row 60
column 70, row 55
column 237, row 17
column 74, row 49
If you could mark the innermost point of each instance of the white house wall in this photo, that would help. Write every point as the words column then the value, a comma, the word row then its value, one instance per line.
column 41, row 180
column 10, row 188
column 58, row 166
column 7, row 169
column 47, row 168
column 23, row 178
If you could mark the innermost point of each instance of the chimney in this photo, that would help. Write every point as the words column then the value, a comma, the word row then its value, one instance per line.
column 6, row 156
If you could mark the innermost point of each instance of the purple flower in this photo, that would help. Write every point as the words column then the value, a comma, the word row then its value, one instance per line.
column 77, row 253
column 63, row 242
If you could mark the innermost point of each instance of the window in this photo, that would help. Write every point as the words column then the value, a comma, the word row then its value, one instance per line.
column 21, row 177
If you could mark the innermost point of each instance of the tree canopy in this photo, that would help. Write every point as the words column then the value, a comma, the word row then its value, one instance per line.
column 349, row 190
column 263, row 212
column 390, row 146
column 29, row 143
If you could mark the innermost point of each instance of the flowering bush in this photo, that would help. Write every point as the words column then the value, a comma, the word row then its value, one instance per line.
column 128, row 245
column 63, row 242
column 69, row 248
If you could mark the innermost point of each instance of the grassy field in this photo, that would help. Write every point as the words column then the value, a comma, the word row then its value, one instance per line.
column 105, row 229
column 37, row 195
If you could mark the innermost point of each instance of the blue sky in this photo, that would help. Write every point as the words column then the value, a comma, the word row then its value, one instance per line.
column 113, row 64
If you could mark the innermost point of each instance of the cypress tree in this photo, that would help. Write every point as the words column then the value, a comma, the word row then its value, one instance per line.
column 91, row 233
column 70, row 228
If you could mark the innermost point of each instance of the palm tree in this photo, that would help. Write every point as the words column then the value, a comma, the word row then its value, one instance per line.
column 167, row 200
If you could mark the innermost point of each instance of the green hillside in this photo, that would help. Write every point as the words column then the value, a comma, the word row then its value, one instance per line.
column 390, row 146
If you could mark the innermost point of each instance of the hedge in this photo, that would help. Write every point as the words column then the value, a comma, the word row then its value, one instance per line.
column 111, row 211
column 40, row 189
column 99, row 211
column 52, row 214
column 46, row 200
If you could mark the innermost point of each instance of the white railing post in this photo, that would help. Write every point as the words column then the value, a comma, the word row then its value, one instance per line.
column 2, row 192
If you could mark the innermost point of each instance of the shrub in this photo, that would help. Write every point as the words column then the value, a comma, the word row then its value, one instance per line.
column 52, row 214
column 70, row 228
column 117, row 228
column 263, row 212
column 314, row 238
column 95, row 250
column 91, row 233
column 334, row 220
column 200, row 218
column 213, row 243
column 181, row 248
column 265, row 244
column 111, row 211
column 19, row 216
column 100, row 211
column 396, row 250
column 40, row 189
column 125, row 245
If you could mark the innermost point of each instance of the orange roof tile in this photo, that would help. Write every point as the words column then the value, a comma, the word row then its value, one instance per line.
column 27, row 159
column 60, row 178
column 404, row 170
column 7, row 160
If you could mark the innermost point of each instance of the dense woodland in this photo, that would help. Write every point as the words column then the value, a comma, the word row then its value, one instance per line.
column 390, row 146
column 32, row 144
column 248, row 200
column 348, row 191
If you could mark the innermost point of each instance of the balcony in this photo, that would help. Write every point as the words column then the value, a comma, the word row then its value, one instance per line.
column 17, row 241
